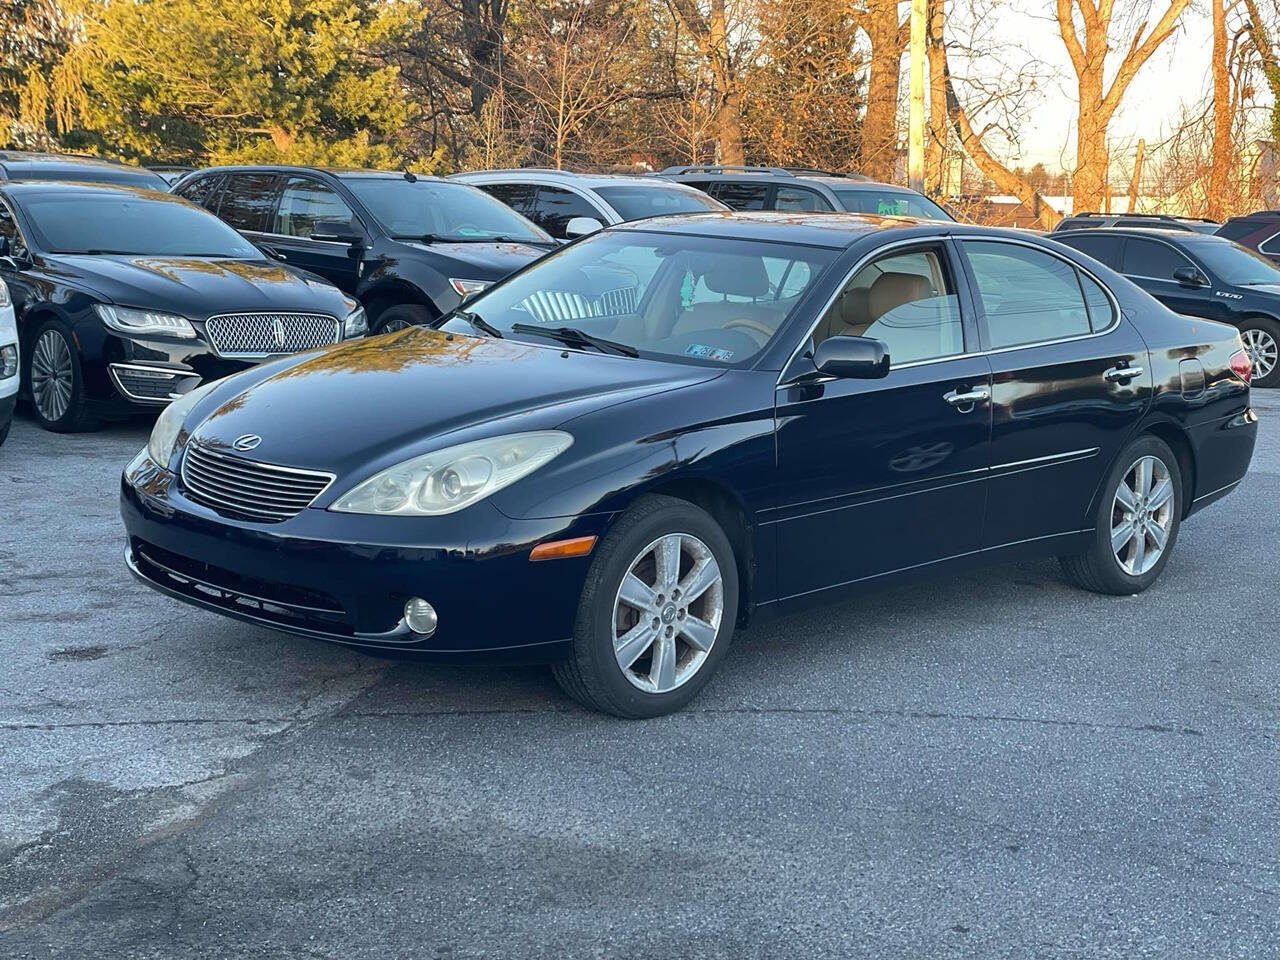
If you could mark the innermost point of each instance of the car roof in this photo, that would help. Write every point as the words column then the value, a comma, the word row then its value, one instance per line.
column 587, row 180
column 1161, row 233
column 85, row 188
column 74, row 166
column 835, row 229
column 342, row 173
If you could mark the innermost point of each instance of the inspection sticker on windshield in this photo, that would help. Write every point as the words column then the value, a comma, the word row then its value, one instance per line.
column 709, row 353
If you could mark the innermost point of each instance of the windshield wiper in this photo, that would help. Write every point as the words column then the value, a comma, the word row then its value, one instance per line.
column 422, row 237
column 573, row 337
column 96, row 252
column 480, row 323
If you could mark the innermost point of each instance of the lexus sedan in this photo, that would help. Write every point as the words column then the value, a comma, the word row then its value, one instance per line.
column 128, row 297
column 621, row 453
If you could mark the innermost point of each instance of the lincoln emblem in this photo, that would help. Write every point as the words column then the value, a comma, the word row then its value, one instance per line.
column 277, row 327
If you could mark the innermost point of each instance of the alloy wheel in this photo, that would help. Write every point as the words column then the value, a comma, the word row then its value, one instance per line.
column 667, row 613
column 1263, row 351
column 1142, row 515
column 52, row 375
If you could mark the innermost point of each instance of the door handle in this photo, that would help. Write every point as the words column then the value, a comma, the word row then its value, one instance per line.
column 1122, row 374
column 964, row 401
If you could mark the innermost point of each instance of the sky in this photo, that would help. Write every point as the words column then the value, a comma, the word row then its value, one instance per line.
column 1177, row 72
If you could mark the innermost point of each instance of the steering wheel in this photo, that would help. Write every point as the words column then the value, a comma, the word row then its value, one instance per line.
column 751, row 327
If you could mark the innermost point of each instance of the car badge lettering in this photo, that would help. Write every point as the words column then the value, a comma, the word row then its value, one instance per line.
column 246, row 442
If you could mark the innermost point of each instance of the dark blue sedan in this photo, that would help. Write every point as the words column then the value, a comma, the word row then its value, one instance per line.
column 624, row 451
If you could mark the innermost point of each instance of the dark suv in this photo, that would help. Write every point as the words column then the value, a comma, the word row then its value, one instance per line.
column 1258, row 231
column 782, row 188
column 1088, row 221
column 1200, row 276
column 409, row 247
column 24, row 165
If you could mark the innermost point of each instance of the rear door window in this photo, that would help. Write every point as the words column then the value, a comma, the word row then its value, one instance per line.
column 518, row 196
column 202, row 191
column 249, row 200
column 1103, row 247
column 742, row 196
column 1028, row 296
column 798, row 198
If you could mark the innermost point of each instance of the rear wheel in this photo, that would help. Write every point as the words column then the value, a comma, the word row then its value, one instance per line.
column 55, row 381
column 402, row 316
column 657, row 612
column 1136, row 524
column 1261, row 336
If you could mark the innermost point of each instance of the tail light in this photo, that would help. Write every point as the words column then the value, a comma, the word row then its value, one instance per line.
column 1242, row 366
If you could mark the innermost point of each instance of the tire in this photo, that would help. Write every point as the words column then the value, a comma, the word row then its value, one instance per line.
column 1102, row 569
column 53, row 357
column 593, row 674
column 400, row 316
column 1261, row 336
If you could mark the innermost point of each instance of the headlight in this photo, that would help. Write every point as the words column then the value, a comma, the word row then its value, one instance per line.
column 8, row 361
column 4, row 294
column 164, row 435
column 465, row 288
column 455, row 477
column 132, row 321
column 356, row 324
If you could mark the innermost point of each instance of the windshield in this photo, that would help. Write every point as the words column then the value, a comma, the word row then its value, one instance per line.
column 143, row 223
column 1236, row 264
column 704, row 300
column 128, row 176
column 891, row 203
column 446, row 211
column 638, row 202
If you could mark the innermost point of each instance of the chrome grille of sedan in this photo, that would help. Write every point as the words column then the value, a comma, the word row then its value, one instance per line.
column 249, row 489
column 265, row 334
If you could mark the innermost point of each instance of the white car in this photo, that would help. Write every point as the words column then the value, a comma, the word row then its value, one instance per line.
column 8, row 362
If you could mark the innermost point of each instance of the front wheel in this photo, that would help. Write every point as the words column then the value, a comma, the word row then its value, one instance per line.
column 1261, row 338
column 401, row 317
column 55, row 381
column 657, row 612
column 1136, row 524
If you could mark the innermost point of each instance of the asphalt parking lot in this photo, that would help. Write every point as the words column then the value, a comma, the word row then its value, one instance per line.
column 994, row 765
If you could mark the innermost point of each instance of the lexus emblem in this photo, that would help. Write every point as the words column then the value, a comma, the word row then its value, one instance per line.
column 277, row 328
column 246, row 442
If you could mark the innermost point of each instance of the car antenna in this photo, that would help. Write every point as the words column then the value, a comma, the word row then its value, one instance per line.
column 412, row 178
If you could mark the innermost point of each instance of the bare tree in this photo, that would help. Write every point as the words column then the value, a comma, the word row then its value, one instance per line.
column 888, row 36
column 568, row 68
column 712, row 32
column 1086, row 27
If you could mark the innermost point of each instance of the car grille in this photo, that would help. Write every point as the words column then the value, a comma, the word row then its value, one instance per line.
column 249, row 489
column 264, row 334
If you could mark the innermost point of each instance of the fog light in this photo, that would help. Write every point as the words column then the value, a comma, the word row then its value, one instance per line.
column 420, row 616
column 8, row 362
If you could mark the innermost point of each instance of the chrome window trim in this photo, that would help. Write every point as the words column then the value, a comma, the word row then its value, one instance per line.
column 918, row 241
column 1263, row 243
column 292, row 238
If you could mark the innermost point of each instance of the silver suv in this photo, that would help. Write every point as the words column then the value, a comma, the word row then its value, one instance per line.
column 569, row 205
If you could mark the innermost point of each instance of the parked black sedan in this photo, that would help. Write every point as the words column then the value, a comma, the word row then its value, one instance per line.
column 409, row 247
column 1199, row 276
column 127, row 298
column 614, row 457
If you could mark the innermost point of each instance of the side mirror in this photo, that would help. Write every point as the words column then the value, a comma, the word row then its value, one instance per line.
column 336, row 232
column 852, row 358
column 581, row 226
column 1189, row 277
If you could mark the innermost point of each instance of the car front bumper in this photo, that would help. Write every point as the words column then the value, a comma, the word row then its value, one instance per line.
column 346, row 578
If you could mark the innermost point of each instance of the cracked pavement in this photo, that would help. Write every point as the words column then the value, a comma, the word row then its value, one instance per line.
column 991, row 765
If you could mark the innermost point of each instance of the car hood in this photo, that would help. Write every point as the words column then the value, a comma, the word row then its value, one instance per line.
column 479, row 261
column 198, row 287
column 370, row 403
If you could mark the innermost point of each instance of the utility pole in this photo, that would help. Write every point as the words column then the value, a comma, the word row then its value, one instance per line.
column 915, row 128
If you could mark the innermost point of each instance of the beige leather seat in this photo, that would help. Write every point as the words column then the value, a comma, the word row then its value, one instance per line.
column 731, row 276
column 859, row 307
